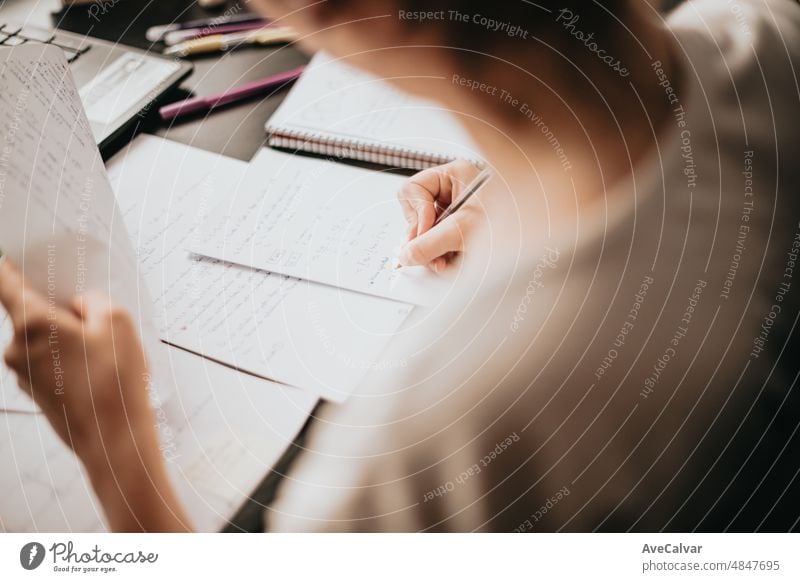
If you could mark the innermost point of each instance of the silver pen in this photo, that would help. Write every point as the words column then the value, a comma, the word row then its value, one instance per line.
column 471, row 190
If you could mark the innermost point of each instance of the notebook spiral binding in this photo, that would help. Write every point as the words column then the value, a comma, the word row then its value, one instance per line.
column 355, row 149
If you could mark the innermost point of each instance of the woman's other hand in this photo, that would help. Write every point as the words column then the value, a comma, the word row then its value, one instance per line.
column 83, row 366
column 86, row 369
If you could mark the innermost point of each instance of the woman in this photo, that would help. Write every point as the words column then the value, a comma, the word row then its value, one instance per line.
column 605, row 365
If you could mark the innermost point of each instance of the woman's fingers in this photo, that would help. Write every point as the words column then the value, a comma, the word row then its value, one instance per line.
column 438, row 264
column 102, row 318
column 25, row 306
column 431, row 190
column 446, row 237
column 422, row 192
column 419, row 205
column 92, row 307
column 14, row 356
column 11, row 288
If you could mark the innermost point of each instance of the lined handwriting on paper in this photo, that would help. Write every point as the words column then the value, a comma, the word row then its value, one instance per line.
column 303, row 334
column 57, row 206
column 58, row 218
column 323, row 222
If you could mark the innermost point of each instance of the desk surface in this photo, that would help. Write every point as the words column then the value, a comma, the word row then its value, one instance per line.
column 237, row 131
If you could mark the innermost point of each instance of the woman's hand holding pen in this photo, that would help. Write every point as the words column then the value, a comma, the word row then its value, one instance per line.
column 423, row 198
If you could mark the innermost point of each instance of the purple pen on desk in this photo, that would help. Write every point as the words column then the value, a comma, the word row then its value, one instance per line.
column 156, row 33
column 199, row 104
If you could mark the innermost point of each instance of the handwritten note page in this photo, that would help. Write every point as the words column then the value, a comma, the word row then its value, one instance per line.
column 226, row 430
column 58, row 218
column 292, row 331
column 320, row 221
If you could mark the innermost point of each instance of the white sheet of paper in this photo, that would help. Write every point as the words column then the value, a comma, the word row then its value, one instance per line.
column 226, row 431
column 58, row 218
column 299, row 333
column 320, row 221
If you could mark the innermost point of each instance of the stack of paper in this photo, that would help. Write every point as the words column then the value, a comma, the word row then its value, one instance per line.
column 283, row 268
column 222, row 432
column 300, row 333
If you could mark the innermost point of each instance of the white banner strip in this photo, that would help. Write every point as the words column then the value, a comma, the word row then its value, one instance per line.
column 406, row 558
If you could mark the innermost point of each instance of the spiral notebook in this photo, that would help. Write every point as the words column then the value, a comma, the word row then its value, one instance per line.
column 341, row 112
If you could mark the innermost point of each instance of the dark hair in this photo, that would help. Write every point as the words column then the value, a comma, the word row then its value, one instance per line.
column 496, row 26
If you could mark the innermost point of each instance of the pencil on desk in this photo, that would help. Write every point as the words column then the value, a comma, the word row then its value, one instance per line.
column 179, row 36
column 224, row 42
column 156, row 33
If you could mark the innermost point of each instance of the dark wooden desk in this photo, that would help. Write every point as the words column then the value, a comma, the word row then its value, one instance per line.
column 237, row 131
